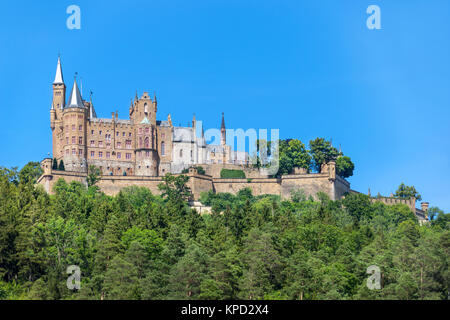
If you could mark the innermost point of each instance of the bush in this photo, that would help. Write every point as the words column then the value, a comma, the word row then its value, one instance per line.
column 232, row 174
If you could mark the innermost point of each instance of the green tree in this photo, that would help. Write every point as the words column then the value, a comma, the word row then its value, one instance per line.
column 322, row 152
column 61, row 165
column 406, row 192
column 93, row 176
column 344, row 166
column 55, row 164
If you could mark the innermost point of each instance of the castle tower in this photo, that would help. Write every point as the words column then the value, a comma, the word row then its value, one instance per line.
column 56, row 111
column 143, row 114
column 74, row 122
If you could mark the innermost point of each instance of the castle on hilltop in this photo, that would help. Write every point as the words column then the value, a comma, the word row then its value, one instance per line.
column 138, row 146
column 140, row 150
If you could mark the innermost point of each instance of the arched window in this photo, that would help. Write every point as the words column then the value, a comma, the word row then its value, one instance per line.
column 163, row 148
column 146, row 142
column 145, row 108
column 140, row 142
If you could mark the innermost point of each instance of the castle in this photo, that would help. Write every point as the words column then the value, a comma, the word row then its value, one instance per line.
column 139, row 146
column 142, row 149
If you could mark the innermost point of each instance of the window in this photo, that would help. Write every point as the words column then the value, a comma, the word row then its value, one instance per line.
column 108, row 155
column 163, row 135
column 181, row 153
column 146, row 142
column 80, row 128
column 147, row 130
column 163, row 148
column 100, row 154
column 100, row 132
column 108, row 138
column 140, row 142
column 129, row 134
column 100, row 144
column 67, row 140
column 92, row 131
column 119, row 145
column 73, row 127
column 80, row 140
column 92, row 143
column 128, row 144
column 128, row 155
column 67, row 127
column 147, row 154
column 119, row 155
column 73, row 140
column 108, row 145
column 191, row 154
column 92, row 154
column 74, row 152
column 123, row 134
column 117, row 133
column 80, row 152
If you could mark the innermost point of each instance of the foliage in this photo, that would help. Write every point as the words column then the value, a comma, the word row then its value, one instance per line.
column 406, row 192
column 322, row 152
column 200, row 170
column 137, row 245
column 344, row 167
column 61, row 165
column 232, row 174
column 93, row 175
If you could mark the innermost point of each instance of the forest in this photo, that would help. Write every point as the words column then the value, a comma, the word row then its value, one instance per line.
column 137, row 245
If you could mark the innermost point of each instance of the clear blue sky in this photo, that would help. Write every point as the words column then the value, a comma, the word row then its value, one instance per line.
column 310, row 68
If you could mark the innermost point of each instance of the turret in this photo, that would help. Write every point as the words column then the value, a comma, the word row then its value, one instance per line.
column 74, row 121
column 56, row 110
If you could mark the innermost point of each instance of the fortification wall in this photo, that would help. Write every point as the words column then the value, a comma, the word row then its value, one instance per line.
column 258, row 186
column 311, row 184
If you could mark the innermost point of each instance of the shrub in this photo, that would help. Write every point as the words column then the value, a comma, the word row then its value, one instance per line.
column 232, row 174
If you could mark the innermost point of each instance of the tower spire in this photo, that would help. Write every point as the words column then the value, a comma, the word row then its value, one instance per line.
column 75, row 100
column 223, row 140
column 59, row 76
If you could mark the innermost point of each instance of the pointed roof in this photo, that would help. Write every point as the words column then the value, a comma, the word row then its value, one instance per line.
column 75, row 100
column 92, row 113
column 59, row 76
column 223, row 122
column 145, row 121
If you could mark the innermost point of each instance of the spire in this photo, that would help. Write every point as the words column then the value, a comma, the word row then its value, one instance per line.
column 75, row 100
column 223, row 122
column 223, row 140
column 193, row 121
column 92, row 113
column 59, row 76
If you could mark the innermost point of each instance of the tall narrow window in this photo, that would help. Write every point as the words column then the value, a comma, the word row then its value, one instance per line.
column 80, row 140
column 163, row 148
column 181, row 153
column 73, row 140
column 146, row 142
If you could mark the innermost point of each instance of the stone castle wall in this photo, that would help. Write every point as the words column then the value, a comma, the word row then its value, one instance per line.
column 311, row 184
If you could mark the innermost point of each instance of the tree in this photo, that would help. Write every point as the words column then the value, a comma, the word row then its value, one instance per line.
column 61, row 166
column 344, row 166
column 93, row 175
column 30, row 172
column 292, row 154
column 174, row 188
column 322, row 152
column 406, row 192
column 55, row 164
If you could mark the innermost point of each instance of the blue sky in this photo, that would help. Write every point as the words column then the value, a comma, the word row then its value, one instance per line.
column 309, row 68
